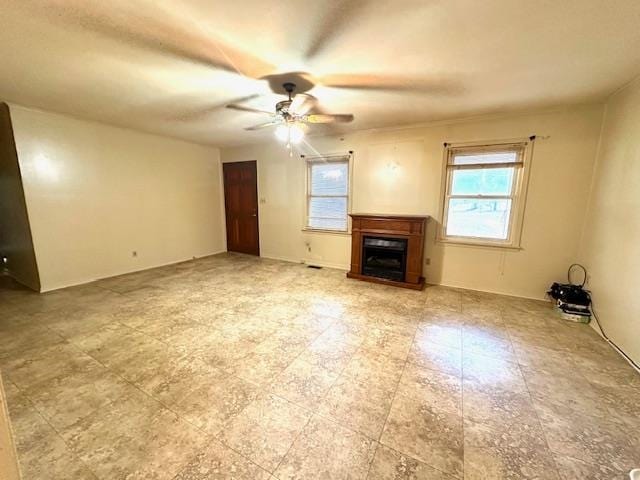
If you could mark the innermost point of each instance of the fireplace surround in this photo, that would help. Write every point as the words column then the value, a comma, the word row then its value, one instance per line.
column 388, row 249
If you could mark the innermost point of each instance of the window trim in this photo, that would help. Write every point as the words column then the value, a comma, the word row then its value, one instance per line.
column 518, row 195
column 333, row 158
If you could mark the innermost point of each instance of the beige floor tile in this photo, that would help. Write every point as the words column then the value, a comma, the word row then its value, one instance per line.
column 441, row 329
column 330, row 354
column 214, row 405
column 218, row 462
column 69, row 397
column 592, row 440
column 436, row 357
column 392, row 321
column 574, row 469
column 345, row 331
column 481, row 463
column 72, row 321
column 558, row 391
column 488, row 341
column 427, row 433
column 387, row 343
column 44, row 363
column 327, row 451
column 505, row 420
column 442, row 298
column 169, row 379
column 362, row 407
column 492, row 373
column 134, row 437
column 609, row 370
column 441, row 390
column 112, row 342
column 43, row 454
column 622, row 403
column 389, row 464
column 261, row 366
column 265, row 430
column 303, row 383
column 367, row 366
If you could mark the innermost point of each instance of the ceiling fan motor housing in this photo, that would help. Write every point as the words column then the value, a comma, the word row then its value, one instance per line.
column 282, row 108
column 289, row 87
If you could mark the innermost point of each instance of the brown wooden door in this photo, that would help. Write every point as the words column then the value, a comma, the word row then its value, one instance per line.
column 241, row 206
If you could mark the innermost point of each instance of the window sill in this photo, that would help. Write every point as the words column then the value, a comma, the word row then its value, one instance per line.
column 471, row 243
column 330, row 232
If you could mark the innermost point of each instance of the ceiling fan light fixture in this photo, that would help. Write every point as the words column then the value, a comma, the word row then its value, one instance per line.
column 289, row 132
column 296, row 133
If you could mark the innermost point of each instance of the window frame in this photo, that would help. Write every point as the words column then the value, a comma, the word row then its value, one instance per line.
column 334, row 158
column 524, row 149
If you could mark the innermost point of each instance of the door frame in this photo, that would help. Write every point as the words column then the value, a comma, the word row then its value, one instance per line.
column 224, row 204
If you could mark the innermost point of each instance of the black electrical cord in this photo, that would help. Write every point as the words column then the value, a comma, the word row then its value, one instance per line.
column 584, row 274
column 593, row 312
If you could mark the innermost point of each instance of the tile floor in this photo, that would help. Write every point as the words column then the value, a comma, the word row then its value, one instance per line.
column 233, row 367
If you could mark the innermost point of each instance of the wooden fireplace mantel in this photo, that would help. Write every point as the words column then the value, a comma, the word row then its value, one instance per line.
column 409, row 227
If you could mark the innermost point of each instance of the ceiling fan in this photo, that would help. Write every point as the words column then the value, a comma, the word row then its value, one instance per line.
column 167, row 30
column 292, row 116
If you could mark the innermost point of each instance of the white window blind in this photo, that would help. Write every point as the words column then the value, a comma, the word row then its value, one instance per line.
column 328, row 193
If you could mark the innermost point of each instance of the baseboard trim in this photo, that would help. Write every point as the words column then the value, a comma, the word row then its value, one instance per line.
column 278, row 257
column 320, row 263
column 543, row 298
column 303, row 261
column 95, row 279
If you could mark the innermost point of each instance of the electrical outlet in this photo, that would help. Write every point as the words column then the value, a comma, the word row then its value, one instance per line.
column 134, row 254
column 427, row 261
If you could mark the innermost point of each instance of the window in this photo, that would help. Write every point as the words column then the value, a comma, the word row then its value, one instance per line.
column 328, row 193
column 484, row 193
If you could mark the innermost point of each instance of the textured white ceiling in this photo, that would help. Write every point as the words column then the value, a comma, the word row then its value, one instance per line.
column 169, row 67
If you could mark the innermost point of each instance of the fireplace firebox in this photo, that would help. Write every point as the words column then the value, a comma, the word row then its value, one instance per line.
column 384, row 257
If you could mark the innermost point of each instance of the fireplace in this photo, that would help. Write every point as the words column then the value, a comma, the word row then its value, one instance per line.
column 388, row 249
column 384, row 257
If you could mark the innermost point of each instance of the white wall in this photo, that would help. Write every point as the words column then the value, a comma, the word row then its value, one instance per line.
column 558, row 190
column 610, row 246
column 96, row 193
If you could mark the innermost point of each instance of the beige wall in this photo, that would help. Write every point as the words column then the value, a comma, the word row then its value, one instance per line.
column 96, row 193
column 611, row 242
column 558, row 190
column 15, row 234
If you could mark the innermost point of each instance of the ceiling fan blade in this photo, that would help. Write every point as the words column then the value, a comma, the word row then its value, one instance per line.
column 158, row 29
column 336, row 20
column 186, row 110
column 302, row 103
column 329, row 118
column 389, row 83
column 264, row 125
column 242, row 108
